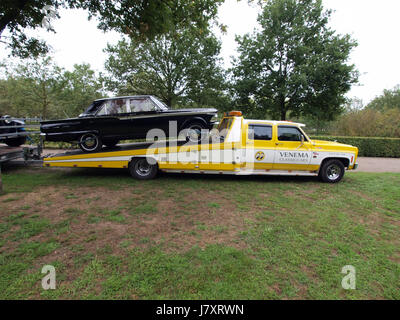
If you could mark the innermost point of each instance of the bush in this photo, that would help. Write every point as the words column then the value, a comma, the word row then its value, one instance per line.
column 369, row 146
column 368, row 123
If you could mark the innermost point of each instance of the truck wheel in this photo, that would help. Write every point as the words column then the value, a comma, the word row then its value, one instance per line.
column 90, row 142
column 15, row 142
column 332, row 171
column 141, row 169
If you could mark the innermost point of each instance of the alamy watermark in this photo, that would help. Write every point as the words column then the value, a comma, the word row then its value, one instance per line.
column 349, row 281
column 49, row 280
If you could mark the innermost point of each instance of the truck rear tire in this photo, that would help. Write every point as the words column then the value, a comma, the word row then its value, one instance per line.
column 141, row 169
column 332, row 171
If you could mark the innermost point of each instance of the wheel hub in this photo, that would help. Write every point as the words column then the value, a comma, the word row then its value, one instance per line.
column 89, row 142
column 142, row 168
column 333, row 172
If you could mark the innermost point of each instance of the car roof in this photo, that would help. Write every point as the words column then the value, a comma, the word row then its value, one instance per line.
column 125, row 97
column 274, row 122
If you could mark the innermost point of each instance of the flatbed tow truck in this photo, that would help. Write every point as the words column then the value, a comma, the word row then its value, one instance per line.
column 239, row 146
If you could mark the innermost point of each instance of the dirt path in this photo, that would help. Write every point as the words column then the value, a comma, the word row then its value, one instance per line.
column 378, row 165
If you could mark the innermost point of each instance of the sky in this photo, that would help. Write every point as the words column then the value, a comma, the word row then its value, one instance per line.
column 373, row 24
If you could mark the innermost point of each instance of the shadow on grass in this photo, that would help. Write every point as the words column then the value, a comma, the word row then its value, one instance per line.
column 123, row 175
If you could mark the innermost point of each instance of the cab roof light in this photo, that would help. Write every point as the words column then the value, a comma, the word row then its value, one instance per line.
column 234, row 114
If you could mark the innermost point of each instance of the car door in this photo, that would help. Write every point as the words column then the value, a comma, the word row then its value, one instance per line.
column 260, row 146
column 144, row 116
column 109, row 119
column 290, row 152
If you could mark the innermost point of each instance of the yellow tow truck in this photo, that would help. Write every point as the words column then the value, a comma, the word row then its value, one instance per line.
column 238, row 146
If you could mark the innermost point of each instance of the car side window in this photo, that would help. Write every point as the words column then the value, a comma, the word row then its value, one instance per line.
column 289, row 134
column 260, row 132
column 142, row 105
column 112, row 107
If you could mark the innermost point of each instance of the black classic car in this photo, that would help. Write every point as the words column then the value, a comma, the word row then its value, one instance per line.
column 107, row 121
column 11, row 131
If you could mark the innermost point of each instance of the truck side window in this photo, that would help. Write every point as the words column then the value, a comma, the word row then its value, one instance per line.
column 260, row 132
column 289, row 134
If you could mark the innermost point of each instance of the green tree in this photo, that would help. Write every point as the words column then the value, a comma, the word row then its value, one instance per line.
column 32, row 87
column 77, row 89
column 295, row 64
column 388, row 100
column 39, row 88
column 180, row 67
column 140, row 19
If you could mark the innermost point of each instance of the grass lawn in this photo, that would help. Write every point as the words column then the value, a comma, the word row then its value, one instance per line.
column 197, row 237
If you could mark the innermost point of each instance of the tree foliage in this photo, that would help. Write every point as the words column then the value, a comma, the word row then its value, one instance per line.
column 294, row 64
column 39, row 88
column 180, row 67
column 388, row 100
column 140, row 19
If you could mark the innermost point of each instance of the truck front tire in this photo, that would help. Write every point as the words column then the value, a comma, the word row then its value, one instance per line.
column 332, row 171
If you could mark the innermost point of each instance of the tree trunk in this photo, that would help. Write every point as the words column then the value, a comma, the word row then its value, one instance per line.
column 283, row 109
column 169, row 102
column 283, row 115
column 1, row 182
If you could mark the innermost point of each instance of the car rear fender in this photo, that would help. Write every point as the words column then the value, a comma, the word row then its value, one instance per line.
column 192, row 120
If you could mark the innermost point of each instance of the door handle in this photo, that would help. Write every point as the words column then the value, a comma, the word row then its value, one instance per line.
column 278, row 144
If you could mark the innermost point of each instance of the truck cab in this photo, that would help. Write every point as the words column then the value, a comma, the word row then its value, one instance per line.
column 283, row 147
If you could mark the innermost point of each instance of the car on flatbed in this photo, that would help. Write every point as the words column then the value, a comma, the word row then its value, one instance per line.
column 238, row 146
column 12, row 131
column 107, row 121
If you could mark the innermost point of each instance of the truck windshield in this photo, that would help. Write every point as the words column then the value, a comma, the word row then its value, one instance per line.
column 224, row 127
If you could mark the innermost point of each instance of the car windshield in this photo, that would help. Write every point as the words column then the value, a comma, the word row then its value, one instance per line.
column 94, row 107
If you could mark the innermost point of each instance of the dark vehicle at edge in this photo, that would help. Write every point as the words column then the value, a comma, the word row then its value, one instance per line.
column 107, row 121
column 11, row 136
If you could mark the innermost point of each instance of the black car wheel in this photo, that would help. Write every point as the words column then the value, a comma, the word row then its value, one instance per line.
column 332, row 171
column 143, row 170
column 90, row 142
column 193, row 131
column 15, row 142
